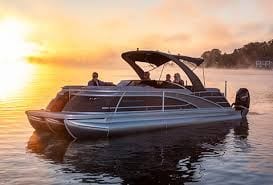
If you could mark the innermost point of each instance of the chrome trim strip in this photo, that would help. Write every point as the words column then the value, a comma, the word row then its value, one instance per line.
column 35, row 118
column 163, row 101
column 213, row 97
column 150, row 112
column 154, row 106
column 116, row 108
column 68, row 130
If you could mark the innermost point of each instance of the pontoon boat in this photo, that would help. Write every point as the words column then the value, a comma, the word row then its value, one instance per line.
column 138, row 105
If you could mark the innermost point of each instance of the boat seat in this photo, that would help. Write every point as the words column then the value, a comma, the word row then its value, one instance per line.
column 156, row 84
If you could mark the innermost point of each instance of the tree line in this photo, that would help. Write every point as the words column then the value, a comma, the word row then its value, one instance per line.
column 244, row 57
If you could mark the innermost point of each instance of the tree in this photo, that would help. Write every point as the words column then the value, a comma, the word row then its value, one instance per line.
column 241, row 57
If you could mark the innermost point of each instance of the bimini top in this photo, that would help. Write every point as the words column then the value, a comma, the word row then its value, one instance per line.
column 159, row 58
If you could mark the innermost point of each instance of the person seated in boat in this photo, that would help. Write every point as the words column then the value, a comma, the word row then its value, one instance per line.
column 168, row 78
column 146, row 75
column 95, row 80
column 177, row 79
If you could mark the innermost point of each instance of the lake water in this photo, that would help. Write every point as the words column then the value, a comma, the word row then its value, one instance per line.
column 218, row 154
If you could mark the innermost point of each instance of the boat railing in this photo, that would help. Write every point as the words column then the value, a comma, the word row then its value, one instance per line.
column 102, row 92
column 74, row 89
column 79, row 88
column 189, row 98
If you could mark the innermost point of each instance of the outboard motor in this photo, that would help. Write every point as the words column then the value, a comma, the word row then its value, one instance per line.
column 242, row 101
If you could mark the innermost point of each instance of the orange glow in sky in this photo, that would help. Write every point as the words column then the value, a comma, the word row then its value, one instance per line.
column 94, row 32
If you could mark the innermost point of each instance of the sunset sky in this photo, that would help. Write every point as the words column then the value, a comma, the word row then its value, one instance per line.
column 97, row 30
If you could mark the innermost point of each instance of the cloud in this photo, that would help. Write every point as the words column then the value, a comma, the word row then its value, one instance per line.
column 103, row 59
column 178, row 37
column 265, row 7
column 171, row 9
column 270, row 30
column 254, row 30
column 91, row 31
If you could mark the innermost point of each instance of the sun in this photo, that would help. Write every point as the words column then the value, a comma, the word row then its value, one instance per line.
column 14, row 41
column 15, row 47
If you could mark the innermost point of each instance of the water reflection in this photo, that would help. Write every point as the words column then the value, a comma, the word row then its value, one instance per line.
column 13, row 78
column 47, row 146
column 242, row 130
column 173, row 156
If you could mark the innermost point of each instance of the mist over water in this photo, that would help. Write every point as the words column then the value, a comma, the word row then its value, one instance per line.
column 237, row 153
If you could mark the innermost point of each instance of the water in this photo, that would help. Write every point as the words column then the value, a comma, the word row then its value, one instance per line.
column 215, row 154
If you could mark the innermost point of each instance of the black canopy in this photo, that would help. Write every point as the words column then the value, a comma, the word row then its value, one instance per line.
column 159, row 58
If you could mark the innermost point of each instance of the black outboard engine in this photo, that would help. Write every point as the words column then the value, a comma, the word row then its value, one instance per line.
column 242, row 101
